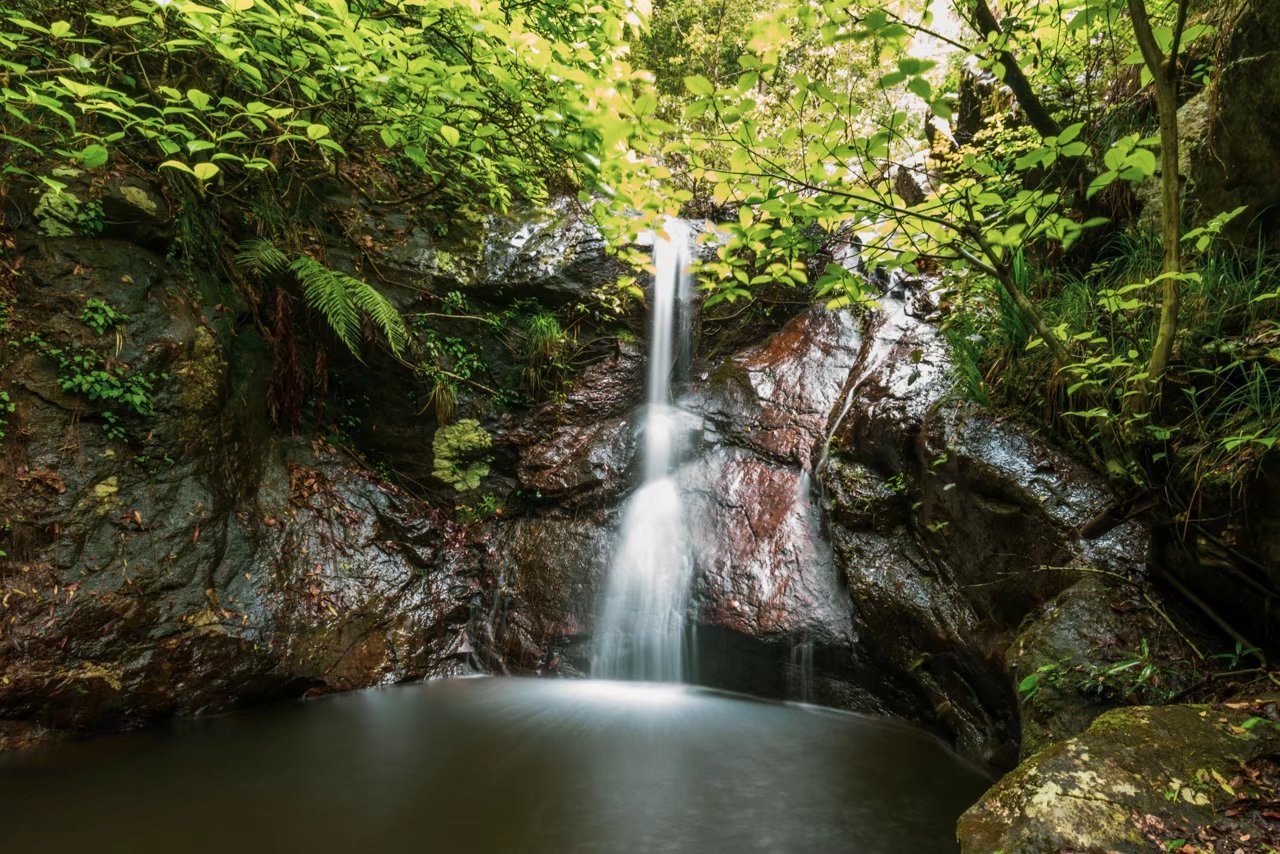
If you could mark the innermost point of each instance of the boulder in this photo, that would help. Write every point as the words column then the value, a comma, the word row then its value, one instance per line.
column 1138, row 780
column 1232, row 130
column 1101, row 644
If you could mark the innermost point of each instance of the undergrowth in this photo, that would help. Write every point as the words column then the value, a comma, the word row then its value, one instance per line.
column 1219, row 417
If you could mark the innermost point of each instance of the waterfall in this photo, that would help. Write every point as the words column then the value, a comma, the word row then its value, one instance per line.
column 641, row 632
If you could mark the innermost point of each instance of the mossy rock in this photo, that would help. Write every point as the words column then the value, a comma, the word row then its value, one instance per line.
column 1135, row 777
column 460, row 454
column 1097, row 646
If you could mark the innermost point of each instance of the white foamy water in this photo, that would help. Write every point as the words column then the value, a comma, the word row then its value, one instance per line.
column 641, row 633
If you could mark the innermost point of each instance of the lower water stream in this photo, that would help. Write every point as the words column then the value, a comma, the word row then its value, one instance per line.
column 498, row 765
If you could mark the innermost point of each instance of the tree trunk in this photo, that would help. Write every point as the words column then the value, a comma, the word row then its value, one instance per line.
column 1164, row 71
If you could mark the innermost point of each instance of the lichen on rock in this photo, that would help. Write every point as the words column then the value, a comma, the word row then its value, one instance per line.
column 1134, row 770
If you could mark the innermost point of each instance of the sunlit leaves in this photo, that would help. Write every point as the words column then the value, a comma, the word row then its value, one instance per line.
column 1130, row 159
column 488, row 101
column 94, row 155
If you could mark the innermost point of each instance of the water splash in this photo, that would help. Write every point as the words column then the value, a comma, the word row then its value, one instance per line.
column 641, row 633
column 800, row 669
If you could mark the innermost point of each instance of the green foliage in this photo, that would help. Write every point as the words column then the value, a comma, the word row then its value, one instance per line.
column 483, row 102
column 459, row 454
column 487, row 507
column 1138, row 676
column 342, row 300
column 544, row 349
column 7, row 408
column 446, row 361
column 1221, row 419
column 114, row 386
column 261, row 257
column 100, row 316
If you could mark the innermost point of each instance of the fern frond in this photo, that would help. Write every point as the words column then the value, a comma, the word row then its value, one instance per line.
column 340, row 299
column 261, row 257
column 382, row 313
column 327, row 293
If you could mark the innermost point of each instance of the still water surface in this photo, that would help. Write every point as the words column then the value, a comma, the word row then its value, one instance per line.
column 497, row 765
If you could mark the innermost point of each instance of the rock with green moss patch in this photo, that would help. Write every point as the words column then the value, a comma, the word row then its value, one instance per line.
column 460, row 454
column 56, row 213
column 1096, row 646
column 1134, row 777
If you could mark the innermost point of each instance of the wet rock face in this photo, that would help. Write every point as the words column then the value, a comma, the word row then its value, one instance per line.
column 582, row 449
column 555, row 255
column 1136, row 780
column 777, row 398
column 942, row 520
column 761, row 563
column 1005, row 509
column 199, row 563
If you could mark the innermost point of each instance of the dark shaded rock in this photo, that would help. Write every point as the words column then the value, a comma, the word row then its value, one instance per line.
column 899, row 377
column 981, row 98
column 134, row 209
column 1002, row 506
column 576, row 458
column 551, row 566
column 907, row 187
column 912, row 619
column 1098, row 645
column 942, row 520
column 1137, row 779
column 1232, row 130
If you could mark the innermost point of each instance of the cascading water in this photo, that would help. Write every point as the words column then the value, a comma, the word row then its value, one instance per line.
column 641, row 633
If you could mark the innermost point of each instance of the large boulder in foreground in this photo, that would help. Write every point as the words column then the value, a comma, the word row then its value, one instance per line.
column 1138, row 780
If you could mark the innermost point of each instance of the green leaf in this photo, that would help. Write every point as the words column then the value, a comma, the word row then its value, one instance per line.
column 175, row 164
column 450, row 134
column 920, row 87
column 205, row 171
column 317, row 131
column 93, row 156
column 699, row 85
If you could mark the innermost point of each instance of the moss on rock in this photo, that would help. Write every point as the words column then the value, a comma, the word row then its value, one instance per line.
column 1133, row 770
column 460, row 458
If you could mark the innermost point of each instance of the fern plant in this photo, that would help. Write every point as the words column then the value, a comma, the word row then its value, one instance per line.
column 339, row 298
column 261, row 257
